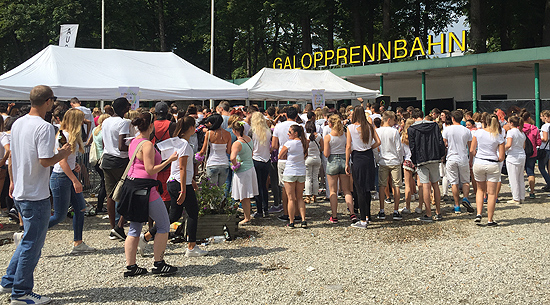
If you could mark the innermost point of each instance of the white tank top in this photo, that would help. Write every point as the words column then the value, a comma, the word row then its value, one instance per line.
column 337, row 144
column 218, row 155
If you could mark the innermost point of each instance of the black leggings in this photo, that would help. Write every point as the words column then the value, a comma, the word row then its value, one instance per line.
column 102, row 192
column 5, row 199
column 190, row 204
column 363, row 179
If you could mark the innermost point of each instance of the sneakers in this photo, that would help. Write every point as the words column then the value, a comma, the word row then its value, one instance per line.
column 396, row 216
column 406, row 211
column 478, row 218
column 374, row 196
column 283, row 218
column 195, row 252
column 303, row 224
column 418, row 211
column 360, row 225
column 112, row 236
column 333, row 219
column 387, row 200
column 512, row 201
column 257, row 215
column 82, row 248
column 457, row 209
column 118, row 232
column 467, row 205
column 290, row 225
column 353, row 217
column 142, row 243
column 532, row 196
column 381, row 215
column 134, row 270
column 162, row 268
column 31, row 298
column 17, row 236
column 13, row 215
column 492, row 224
column 426, row 218
column 438, row 217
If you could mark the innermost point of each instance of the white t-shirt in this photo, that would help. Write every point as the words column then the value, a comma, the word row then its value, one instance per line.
column 326, row 130
column 88, row 116
column 313, row 151
column 295, row 161
column 5, row 140
column 407, row 152
column 487, row 146
column 516, row 153
column 261, row 151
column 281, row 131
column 71, row 159
column 113, row 127
column 337, row 144
column 32, row 139
column 246, row 128
column 546, row 128
column 356, row 141
column 185, row 150
column 457, row 137
column 391, row 152
column 303, row 116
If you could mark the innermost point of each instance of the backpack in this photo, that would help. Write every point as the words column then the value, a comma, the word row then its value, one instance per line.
column 529, row 150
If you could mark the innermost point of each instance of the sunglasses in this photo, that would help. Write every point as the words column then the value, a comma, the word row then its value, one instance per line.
column 53, row 98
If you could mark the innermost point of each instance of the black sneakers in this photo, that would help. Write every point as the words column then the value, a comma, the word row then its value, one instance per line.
column 134, row 270
column 162, row 268
column 478, row 218
column 118, row 232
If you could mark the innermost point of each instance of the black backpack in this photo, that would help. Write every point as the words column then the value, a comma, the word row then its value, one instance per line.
column 529, row 150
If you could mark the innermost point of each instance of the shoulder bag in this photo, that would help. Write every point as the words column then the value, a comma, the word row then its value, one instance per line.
column 118, row 189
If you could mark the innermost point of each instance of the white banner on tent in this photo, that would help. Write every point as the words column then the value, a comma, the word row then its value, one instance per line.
column 67, row 36
column 132, row 94
column 318, row 98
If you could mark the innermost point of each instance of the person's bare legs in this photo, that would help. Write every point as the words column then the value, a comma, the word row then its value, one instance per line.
column 408, row 188
column 531, row 184
column 465, row 190
column 159, row 246
column 420, row 194
column 290, row 188
column 437, row 197
column 480, row 195
column 491, row 199
column 300, row 199
column 333, row 186
column 130, row 249
column 456, row 195
column 382, row 195
column 285, row 201
column 246, row 209
column 396, row 197
column 346, row 189
column 426, row 190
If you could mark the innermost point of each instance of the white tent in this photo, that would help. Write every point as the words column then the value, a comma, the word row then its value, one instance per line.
column 95, row 74
column 297, row 85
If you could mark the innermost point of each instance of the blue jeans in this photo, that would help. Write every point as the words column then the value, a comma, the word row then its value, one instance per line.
column 542, row 168
column 262, row 172
column 19, row 274
column 64, row 195
column 217, row 174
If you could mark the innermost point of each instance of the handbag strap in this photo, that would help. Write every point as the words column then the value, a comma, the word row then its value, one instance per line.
column 207, row 147
column 131, row 161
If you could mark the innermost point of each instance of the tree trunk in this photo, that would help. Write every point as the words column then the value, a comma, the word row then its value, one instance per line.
column 478, row 39
column 330, row 24
column 386, row 20
column 417, row 18
column 546, row 26
column 306, row 34
column 357, row 23
column 505, row 43
column 162, row 34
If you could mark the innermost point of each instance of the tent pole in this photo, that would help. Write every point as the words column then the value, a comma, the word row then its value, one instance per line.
column 424, row 92
column 474, row 90
column 247, row 103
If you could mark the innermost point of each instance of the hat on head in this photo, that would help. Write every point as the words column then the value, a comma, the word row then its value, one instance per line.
column 161, row 108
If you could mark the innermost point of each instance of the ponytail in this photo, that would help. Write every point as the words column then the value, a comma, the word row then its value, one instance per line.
column 493, row 125
column 301, row 135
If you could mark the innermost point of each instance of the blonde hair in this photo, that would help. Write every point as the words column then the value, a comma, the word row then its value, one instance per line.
column 97, row 112
column 259, row 127
column 336, row 124
column 405, row 134
column 72, row 123
column 100, row 120
column 493, row 125
column 232, row 119
column 132, row 114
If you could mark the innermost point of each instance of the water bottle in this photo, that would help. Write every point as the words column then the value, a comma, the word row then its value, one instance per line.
column 216, row 239
column 226, row 233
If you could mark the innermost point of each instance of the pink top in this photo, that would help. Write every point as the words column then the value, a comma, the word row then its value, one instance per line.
column 137, row 170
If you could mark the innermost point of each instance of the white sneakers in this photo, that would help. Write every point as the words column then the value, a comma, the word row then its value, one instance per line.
column 142, row 243
column 82, row 248
column 31, row 298
column 196, row 252
column 360, row 225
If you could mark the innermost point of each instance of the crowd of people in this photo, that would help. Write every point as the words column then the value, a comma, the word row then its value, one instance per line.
column 301, row 157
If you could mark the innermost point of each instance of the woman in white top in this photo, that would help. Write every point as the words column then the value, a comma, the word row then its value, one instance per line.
column 488, row 148
column 361, row 139
column 409, row 170
column 65, row 186
column 261, row 136
column 219, row 141
column 544, row 136
column 97, row 138
column 515, row 161
column 313, row 162
column 294, row 176
column 335, row 151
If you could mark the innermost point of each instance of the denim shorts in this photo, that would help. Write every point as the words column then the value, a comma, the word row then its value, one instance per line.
column 336, row 165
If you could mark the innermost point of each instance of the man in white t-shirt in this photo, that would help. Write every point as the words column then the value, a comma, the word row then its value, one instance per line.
column 391, row 159
column 280, row 137
column 32, row 147
column 458, row 138
column 115, row 158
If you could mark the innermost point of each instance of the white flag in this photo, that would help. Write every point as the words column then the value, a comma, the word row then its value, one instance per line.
column 67, row 38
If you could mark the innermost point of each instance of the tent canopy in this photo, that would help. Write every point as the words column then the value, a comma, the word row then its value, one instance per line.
column 96, row 74
column 296, row 85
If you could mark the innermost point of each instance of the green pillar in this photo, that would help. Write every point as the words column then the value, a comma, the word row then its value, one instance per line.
column 381, row 84
column 474, row 90
column 537, row 94
column 424, row 92
column 265, row 105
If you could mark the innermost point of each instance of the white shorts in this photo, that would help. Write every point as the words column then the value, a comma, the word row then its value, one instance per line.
column 428, row 173
column 280, row 170
column 487, row 172
column 458, row 172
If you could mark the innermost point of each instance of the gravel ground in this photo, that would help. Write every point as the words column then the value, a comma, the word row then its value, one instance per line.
column 406, row 262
